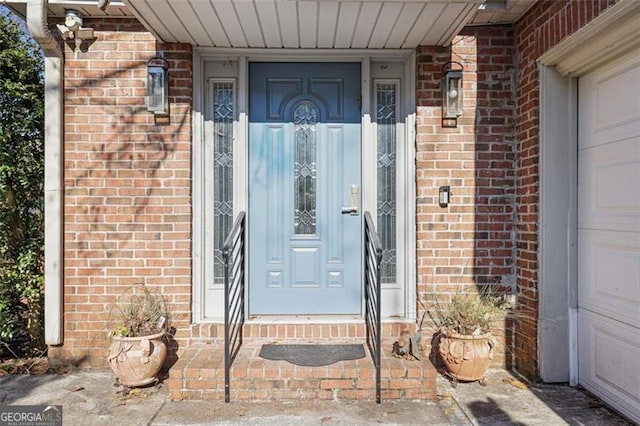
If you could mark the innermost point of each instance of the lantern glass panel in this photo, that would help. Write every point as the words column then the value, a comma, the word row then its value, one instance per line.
column 452, row 94
column 157, row 86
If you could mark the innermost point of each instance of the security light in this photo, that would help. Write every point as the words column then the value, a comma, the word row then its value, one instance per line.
column 64, row 31
column 72, row 19
column 73, row 28
column 84, row 33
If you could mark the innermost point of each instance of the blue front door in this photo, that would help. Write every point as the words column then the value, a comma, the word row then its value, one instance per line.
column 304, row 189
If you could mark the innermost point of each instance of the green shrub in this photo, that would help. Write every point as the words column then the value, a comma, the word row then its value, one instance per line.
column 21, row 306
column 21, row 189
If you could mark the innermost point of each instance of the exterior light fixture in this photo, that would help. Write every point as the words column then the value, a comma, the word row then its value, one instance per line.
column 444, row 196
column 451, row 90
column 72, row 27
column 157, row 86
column 72, row 19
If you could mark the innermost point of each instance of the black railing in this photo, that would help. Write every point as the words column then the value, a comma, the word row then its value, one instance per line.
column 233, row 256
column 372, row 260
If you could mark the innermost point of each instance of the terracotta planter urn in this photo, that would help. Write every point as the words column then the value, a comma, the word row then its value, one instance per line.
column 466, row 357
column 137, row 360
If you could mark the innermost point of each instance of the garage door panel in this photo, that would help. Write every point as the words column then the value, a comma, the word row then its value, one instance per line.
column 608, row 358
column 609, row 276
column 610, row 104
column 609, row 186
column 609, row 233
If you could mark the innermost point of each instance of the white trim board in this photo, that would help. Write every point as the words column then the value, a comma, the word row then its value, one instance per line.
column 613, row 33
column 36, row 19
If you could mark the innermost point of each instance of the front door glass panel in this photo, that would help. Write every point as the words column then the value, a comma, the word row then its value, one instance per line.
column 305, row 118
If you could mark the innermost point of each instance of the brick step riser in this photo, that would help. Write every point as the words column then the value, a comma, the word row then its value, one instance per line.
column 296, row 332
column 326, row 389
column 199, row 374
column 334, row 382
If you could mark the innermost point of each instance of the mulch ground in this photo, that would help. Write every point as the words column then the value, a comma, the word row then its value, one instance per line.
column 30, row 366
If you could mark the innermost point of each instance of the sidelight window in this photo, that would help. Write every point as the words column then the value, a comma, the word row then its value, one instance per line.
column 223, row 103
column 386, row 117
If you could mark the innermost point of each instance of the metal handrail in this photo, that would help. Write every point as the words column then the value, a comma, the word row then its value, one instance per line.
column 372, row 261
column 234, row 273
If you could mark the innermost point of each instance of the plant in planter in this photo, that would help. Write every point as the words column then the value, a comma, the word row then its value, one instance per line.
column 137, row 350
column 465, row 340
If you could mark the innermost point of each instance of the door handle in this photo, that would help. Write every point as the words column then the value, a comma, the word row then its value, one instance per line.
column 355, row 200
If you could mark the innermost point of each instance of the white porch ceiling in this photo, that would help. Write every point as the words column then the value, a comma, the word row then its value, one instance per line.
column 305, row 24
column 301, row 23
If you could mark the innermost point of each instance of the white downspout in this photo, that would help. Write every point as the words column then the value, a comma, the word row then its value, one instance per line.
column 53, row 170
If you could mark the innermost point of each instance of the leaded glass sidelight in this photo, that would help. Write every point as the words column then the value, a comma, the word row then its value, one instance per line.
column 386, row 113
column 305, row 117
column 223, row 101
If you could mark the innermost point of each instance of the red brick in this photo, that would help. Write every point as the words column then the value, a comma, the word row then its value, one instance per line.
column 356, row 394
column 450, row 156
column 104, row 142
column 336, row 384
column 537, row 32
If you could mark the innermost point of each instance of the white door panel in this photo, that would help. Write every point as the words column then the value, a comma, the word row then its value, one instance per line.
column 609, row 233
column 609, row 186
column 610, row 103
column 609, row 355
column 609, row 275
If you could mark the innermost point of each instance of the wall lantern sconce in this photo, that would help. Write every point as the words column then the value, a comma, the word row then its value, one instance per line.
column 451, row 90
column 158, row 86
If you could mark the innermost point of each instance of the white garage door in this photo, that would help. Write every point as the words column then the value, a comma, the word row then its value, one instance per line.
column 609, row 233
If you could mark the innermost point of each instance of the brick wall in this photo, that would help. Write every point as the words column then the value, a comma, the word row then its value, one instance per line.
column 470, row 243
column 543, row 27
column 127, row 183
column 127, row 173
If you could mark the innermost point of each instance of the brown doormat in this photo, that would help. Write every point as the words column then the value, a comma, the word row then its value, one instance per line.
column 312, row 355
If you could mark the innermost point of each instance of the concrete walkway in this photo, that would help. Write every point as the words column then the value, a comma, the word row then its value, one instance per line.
column 508, row 400
column 90, row 398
